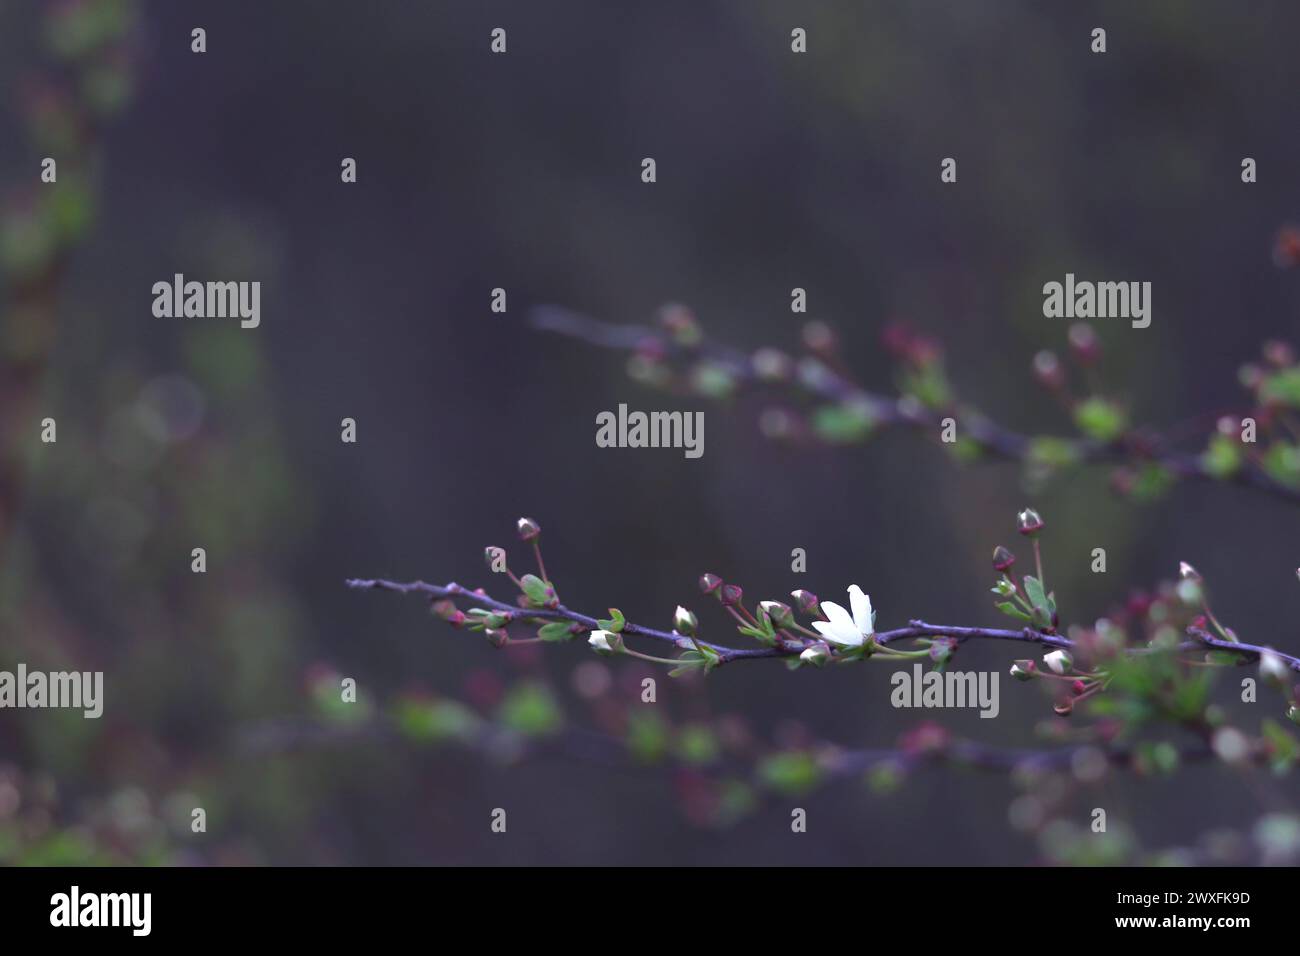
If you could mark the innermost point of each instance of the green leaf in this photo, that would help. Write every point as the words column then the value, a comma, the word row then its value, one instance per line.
column 435, row 720
column 793, row 772
column 1006, row 607
column 1034, row 591
column 530, row 709
column 840, row 424
column 556, row 631
column 647, row 735
column 1282, row 462
column 697, row 744
column 702, row 657
column 1152, row 481
column 1052, row 453
column 1100, row 419
column 1283, row 747
column 1282, row 387
column 536, row 590
column 614, row 623
column 687, row 662
column 1222, row 458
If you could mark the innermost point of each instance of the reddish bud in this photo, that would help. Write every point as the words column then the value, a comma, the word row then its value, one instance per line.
column 1029, row 522
column 806, row 602
column 818, row 337
column 710, row 583
column 1279, row 354
column 1286, row 247
column 1084, row 344
column 679, row 321
column 1048, row 371
column 732, row 594
column 1002, row 559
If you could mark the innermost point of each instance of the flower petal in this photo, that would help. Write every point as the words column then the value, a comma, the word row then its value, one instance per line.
column 840, row 628
column 861, row 604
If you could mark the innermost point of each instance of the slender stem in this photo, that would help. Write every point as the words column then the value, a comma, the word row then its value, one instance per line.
column 915, row 628
column 541, row 565
column 997, row 440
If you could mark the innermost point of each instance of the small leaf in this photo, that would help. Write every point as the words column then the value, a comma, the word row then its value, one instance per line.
column 1100, row 418
column 556, row 631
column 1006, row 607
column 687, row 662
column 792, row 772
column 537, row 590
column 530, row 709
column 615, row 622
column 1034, row 591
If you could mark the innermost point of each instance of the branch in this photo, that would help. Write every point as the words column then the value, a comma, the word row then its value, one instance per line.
column 787, row 648
column 784, row 648
column 822, row 376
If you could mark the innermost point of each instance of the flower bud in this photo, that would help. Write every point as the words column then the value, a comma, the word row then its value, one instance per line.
column 1058, row 661
column 819, row 338
column 772, row 365
column 444, row 609
column 1286, row 247
column 816, row 654
column 1273, row 669
column 497, row 637
column 941, row 650
column 1190, row 593
column 778, row 612
column 528, row 529
column 1187, row 572
column 1047, row 371
column 684, row 622
column 710, row 583
column 732, row 594
column 1029, row 522
column 1078, row 688
column 1024, row 670
column 1002, row 559
column 1293, row 714
column 606, row 642
column 1084, row 344
column 1004, row 588
column 1279, row 354
column 807, row 602
column 679, row 322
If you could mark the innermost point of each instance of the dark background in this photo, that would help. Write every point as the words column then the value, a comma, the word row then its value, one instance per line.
column 522, row 171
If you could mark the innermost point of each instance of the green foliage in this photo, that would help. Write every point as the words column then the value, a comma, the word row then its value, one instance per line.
column 530, row 709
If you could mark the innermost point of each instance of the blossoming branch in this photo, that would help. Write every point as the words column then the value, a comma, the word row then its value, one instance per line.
column 817, row 399
column 1155, row 643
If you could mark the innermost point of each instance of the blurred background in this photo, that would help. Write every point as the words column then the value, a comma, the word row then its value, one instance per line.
column 522, row 171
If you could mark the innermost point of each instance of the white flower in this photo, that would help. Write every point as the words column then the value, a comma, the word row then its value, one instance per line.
column 815, row 654
column 684, row 621
column 605, row 642
column 1058, row 662
column 1272, row 667
column 846, row 630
